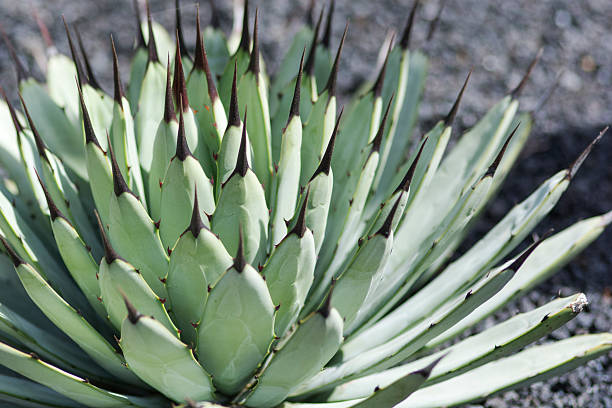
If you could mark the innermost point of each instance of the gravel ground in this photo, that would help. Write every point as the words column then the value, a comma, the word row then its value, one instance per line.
column 498, row 39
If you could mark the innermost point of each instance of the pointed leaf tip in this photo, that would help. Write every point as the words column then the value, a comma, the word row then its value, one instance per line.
column 385, row 229
column 141, row 41
column 300, row 226
column 22, row 73
column 333, row 76
column 201, row 59
column 151, row 46
column 325, row 164
column 493, row 167
column 196, row 224
column 254, row 60
column 75, row 58
column 245, row 38
column 109, row 252
column 326, row 307
column 426, row 371
column 312, row 52
column 179, row 86
column 378, row 84
column 169, row 113
column 182, row 148
column 179, row 30
column 119, row 184
column 54, row 212
column 433, row 26
column 326, row 41
column 40, row 144
column 294, row 111
column 90, row 135
column 116, row 76
column 88, row 68
column 242, row 164
column 14, row 118
column 239, row 260
column 15, row 258
column 44, row 30
column 407, row 180
column 376, row 143
column 133, row 315
column 405, row 41
column 516, row 265
column 450, row 118
column 519, row 88
column 575, row 166
column 233, row 118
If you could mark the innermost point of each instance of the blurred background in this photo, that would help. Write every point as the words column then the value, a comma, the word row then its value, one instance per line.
column 497, row 39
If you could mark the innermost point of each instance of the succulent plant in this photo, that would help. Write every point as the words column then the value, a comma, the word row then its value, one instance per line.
column 168, row 249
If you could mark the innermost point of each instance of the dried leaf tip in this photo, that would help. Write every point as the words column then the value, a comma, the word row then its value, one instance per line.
column 75, row 58
column 387, row 227
column 333, row 76
column 254, row 61
column 12, row 112
column 300, row 226
column 90, row 73
column 312, row 52
column 179, row 30
column 407, row 180
column 119, row 184
column 575, row 166
column 90, row 135
column 182, row 148
column 380, row 80
column 433, row 26
column 294, row 111
column 179, row 86
column 169, row 113
column 426, row 371
column 109, row 252
column 240, row 260
column 493, row 167
column 40, row 144
column 116, row 75
column 376, row 143
column 519, row 88
column 245, row 38
column 233, row 118
column 15, row 258
column 326, row 41
column 201, row 59
column 326, row 307
column 141, row 41
column 325, row 164
column 22, row 73
column 242, row 164
column 520, row 260
column 44, row 32
column 405, row 41
column 133, row 315
column 450, row 118
column 152, row 46
column 196, row 224
column 54, row 212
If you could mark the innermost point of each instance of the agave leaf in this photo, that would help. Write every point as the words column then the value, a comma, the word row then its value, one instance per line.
column 216, row 47
column 100, row 109
column 496, row 342
column 554, row 253
column 75, row 388
column 534, row 364
column 138, row 68
column 24, row 393
column 313, row 344
column 60, row 72
column 162, row 361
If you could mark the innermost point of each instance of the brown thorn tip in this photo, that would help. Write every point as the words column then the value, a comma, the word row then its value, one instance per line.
column 254, row 61
column 312, row 52
column 426, row 371
column 141, row 41
column 152, row 46
column 54, row 212
column 90, row 135
column 201, row 59
column 326, row 41
column 132, row 314
column 407, row 180
column 109, row 252
column 493, row 167
column 119, row 184
column 325, row 164
column 14, row 118
column 376, row 143
column 386, row 228
column 333, row 76
column 450, row 118
column 75, row 58
column 182, row 148
column 233, row 118
column 519, row 88
column 179, row 87
column 378, row 85
column 300, row 226
column 575, row 166
column 242, row 164
column 294, row 111
column 15, row 258
column 516, row 265
column 405, row 41
column 239, row 260
column 169, row 113
column 434, row 23
column 179, row 29
column 40, row 145
column 327, row 306
column 245, row 38
column 116, row 76
column 196, row 224
column 22, row 74
column 90, row 73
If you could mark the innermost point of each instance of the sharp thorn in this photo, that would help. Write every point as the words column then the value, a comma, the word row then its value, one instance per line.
column 75, row 58
column 245, row 38
column 376, row 143
column 201, row 59
column 90, row 135
column 254, row 60
column 15, row 258
column 110, row 255
column 405, row 41
column 300, row 226
column 516, row 265
column 88, row 68
column 242, row 164
column 40, row 144
column 575, row 166
column 326, row 307
column 22, row 73
column 179, row 86
column 182, row 149
column 405, row 183
column 326, row 41
column 493, row 167
column 116, row 76
column 152, row 46
column 294, row 111
column 141, row 41
column 519, row 88
column 426, row 371
column 386, row 228
column 325, row 164
column 169, row 113
column 119, row 184
column 239, row 260
column 450, row 118
column 14, row 118
column 54, row 212
column 333, row 76
column 132, row 314
column 378, row 84
column 196, row 224
column 433, row 26
column 233, row 119
column 312, row 52
column 179, row 30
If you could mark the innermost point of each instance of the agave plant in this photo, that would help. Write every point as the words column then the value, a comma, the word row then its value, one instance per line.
column 248, row 262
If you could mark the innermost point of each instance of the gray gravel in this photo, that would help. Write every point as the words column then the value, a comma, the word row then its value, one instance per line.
column 496, row 37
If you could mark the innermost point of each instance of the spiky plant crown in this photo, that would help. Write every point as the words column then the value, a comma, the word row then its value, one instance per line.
column 169, row 249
